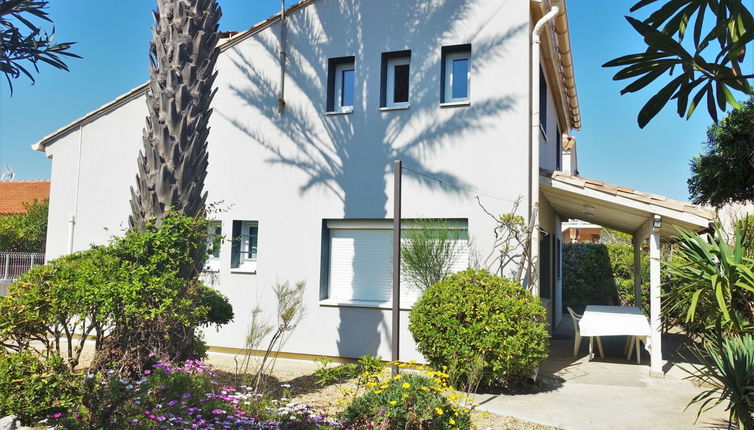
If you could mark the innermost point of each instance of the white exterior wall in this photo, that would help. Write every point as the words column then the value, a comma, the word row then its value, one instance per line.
column 289, row 172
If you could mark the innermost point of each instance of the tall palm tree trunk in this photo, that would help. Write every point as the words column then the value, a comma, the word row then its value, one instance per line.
column 173, row 164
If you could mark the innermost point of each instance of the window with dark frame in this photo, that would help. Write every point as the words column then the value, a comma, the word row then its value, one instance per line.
column 244, row 245
column 396, row 79
column 543, row 102
column 455, row 73
column 340, row 84
column 558, row 149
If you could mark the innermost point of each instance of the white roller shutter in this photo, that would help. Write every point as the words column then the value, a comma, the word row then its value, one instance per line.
column 361, row 266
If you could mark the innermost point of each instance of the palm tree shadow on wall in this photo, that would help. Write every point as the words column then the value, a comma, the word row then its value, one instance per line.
column 351, row 155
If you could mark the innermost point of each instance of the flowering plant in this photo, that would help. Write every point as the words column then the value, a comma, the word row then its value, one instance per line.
column 410, row 400
column 185, row 395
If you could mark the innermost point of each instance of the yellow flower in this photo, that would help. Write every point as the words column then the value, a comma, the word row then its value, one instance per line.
column 393, row 402
column 439, row 411
column 396, row 377
column 406, row 385
column 451, row 421
column 383, row 386
column 378, row 392
column 405, row 396
column 425, row 389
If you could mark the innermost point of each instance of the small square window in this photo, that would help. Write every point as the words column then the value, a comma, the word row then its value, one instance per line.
column 456, row 73
column 396, row 79
column 340, row 84
column 245, row 246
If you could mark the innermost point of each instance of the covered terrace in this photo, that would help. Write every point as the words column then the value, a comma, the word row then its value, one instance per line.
column 642, row 215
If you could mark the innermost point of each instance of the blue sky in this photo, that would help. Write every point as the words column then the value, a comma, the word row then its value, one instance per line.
column 113, row 38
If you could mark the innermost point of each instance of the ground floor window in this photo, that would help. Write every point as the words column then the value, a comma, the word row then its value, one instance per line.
column 245, row 245
column 359, row 256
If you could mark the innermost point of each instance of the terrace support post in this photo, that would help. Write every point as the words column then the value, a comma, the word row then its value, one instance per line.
column 397, row 168
column 7, row 266
column 637, row 270
column 654, row 294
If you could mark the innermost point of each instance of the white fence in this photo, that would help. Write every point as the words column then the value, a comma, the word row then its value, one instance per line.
column 15, row 264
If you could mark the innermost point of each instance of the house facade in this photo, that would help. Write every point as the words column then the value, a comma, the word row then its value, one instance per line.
column 301, row 154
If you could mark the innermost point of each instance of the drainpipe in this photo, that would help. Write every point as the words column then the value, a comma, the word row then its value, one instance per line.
column 281, row 97
column 534, row 148
column 72, row 218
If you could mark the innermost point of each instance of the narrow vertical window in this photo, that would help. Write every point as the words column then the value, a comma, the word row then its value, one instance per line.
column 558, row 149
column 244, row 246
column 543, row 102
column 396, row 82
column 340, row 85
column 456, row 74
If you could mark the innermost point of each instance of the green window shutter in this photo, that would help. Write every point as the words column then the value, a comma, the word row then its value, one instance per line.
column 235, row 249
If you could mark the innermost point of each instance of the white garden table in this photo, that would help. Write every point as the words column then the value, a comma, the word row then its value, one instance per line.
column 615, row 321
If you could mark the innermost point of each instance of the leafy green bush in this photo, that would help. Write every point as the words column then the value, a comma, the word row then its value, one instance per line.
column 601, row 274
column 475, row 312
column 407, row 401
column 140, row 296
column 727, row 366
column 36, row 388
column 25, row 232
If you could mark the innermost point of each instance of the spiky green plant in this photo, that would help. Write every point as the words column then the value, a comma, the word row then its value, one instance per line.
column 173, row 164
column 711, row 282
column 727, row 367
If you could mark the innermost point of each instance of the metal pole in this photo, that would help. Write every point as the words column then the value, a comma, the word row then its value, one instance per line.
column 7, row 266
column 397, row 167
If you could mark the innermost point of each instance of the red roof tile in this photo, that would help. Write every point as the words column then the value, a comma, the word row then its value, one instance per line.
column 13, row 194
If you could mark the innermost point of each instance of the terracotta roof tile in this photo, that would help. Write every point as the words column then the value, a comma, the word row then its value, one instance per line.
column 13, row 194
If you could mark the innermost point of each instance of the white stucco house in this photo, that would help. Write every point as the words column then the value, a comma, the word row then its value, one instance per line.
column 477, row 98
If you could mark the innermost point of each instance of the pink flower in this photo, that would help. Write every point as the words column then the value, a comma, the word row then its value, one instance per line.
column 57, row 415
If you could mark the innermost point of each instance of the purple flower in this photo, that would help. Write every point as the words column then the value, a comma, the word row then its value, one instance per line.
column 186, row 395
column 147, row 372
column 57, row 415
column 218, row 411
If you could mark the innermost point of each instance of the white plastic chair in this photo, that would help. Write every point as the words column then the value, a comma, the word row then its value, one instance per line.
column 577, row 335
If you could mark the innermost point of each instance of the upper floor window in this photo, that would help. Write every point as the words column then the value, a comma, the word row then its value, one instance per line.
column 543, row 102
column 396, row 72
column 244, row 249
column 340, row 84
column 456, row 73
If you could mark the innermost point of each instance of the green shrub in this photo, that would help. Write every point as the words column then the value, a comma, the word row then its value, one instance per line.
column 25, row 232
column 36, row 388
column 408, row 401
column 601, row 274
column 727, row 366
column 475, row 312
column 139, row 296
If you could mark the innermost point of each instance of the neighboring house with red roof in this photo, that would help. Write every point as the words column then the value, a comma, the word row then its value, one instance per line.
column 13, row 194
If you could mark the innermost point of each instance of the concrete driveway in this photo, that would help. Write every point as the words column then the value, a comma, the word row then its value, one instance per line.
column 610, row 393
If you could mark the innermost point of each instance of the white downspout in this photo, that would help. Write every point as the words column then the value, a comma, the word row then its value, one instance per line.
column 534, row 148
column 283, row 55
column 72, row 218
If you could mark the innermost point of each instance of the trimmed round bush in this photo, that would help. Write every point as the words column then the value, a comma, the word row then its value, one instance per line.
column 476, row 316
